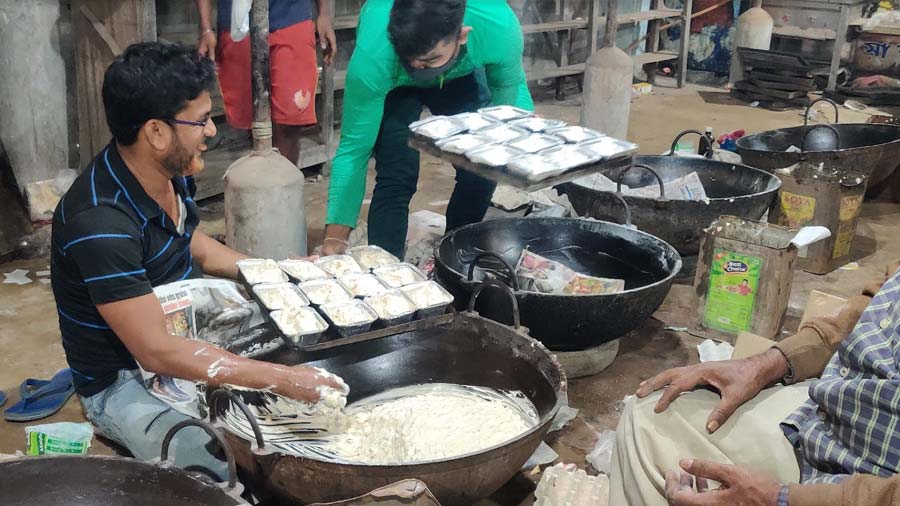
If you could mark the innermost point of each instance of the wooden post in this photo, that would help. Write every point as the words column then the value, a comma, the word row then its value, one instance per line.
column 593, row 13
column 259, row 72
column 326, row 116
column 839, row 40
column 103, row 28
column 612, row 23
column 652, row 42
column 684, row 43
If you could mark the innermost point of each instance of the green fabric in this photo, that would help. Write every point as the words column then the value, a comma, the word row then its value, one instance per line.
column 494, row 43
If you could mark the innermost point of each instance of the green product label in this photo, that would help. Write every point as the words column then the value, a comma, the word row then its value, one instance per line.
column 42, row 444
column 733, row 283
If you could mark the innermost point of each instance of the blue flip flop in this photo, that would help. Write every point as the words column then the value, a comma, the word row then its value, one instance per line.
column 2, row 398
column 41, row 398
column 27, row 387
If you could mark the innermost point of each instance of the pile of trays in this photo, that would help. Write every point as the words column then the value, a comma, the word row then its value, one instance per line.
column 512, row 146
column 775, row 79
column 340, row 296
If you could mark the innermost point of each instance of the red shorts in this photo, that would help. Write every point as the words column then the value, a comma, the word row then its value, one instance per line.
column 293, row 74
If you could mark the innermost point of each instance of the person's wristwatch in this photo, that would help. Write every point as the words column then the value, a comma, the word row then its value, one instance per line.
column 783, row 495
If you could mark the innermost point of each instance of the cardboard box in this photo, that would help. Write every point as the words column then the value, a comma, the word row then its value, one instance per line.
column 822, row 304
column 748, row 344
column 743, row 280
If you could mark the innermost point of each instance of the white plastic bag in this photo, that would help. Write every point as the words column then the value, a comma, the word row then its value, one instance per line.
column 601, row 456
column 240, row 19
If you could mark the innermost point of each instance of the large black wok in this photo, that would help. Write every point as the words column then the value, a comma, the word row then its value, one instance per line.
column 732, row 189
column 596, row 248
column 871, row 149
column 111, row 481
column 462, row 348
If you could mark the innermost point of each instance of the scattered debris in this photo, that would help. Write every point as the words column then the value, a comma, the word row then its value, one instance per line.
column 711, row 351
column 600, row 457
column 17, row 277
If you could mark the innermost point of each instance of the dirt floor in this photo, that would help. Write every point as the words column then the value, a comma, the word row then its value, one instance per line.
column 30, row 341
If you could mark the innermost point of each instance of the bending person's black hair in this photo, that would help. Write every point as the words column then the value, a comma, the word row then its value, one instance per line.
column 416, row 26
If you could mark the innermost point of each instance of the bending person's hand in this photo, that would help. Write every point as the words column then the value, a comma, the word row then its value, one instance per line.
column 737, row 381
column 740, row 487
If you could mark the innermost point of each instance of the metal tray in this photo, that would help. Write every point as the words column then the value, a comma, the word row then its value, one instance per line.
column 612, row 168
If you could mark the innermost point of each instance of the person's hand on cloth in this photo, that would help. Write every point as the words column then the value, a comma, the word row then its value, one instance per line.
column 739, row 486
column 737, row 381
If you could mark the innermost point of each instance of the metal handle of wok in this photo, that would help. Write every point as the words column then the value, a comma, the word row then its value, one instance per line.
column 517, row 323
column 513, row 282
column 837, row 138
column 597, row 203
column 224, row 393
column 213, row 433
column 703, row 138
column 814, row 102
column 662, row 188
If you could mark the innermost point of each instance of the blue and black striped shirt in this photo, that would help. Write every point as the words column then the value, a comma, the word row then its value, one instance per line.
column 111, row 241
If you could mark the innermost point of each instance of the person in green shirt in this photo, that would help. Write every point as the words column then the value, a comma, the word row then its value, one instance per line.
column 451, row 56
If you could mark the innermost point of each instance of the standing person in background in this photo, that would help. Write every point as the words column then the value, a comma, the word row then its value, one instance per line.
column 448, row 55
column 294, row 69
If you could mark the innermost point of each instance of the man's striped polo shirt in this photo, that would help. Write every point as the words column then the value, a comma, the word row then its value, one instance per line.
column 111, row 241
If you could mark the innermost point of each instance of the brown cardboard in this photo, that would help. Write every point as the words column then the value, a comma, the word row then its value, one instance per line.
column 811, row 195
column 748, row 344
column 771, row 255
column 822, row 304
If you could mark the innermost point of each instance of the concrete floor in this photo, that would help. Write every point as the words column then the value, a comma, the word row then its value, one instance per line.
column 29, row 336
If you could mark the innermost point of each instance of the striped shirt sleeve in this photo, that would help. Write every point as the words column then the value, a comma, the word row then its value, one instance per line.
column 108, row 253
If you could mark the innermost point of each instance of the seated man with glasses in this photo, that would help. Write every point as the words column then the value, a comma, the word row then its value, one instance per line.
column 129, row 224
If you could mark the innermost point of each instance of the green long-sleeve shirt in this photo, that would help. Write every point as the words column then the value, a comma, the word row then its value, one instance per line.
column 494, row 43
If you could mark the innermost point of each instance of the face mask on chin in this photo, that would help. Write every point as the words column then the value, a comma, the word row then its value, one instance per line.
column 430, row 73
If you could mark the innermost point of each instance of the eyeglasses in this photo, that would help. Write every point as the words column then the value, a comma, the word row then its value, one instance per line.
column 188, row 122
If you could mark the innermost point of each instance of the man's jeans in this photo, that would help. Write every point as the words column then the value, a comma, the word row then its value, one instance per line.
column 129, row 415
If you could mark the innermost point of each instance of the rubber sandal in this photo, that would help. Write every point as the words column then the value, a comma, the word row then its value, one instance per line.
column 2, row 398
column 43, row 401
column 29, row 386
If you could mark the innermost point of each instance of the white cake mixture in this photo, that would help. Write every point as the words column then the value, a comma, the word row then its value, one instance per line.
column 371, row 257
column 391, row 305
column 324, row 291
column 397, row 275
column 427, row 294
column 279, row 296
column 405, row 425
column 363, row 285
column 256, row 271
column 303, row 270
column 338, row 265
column 349, row 314
column 299, row 320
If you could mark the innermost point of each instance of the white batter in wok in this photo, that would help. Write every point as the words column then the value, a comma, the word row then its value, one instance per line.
column 405, row 425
